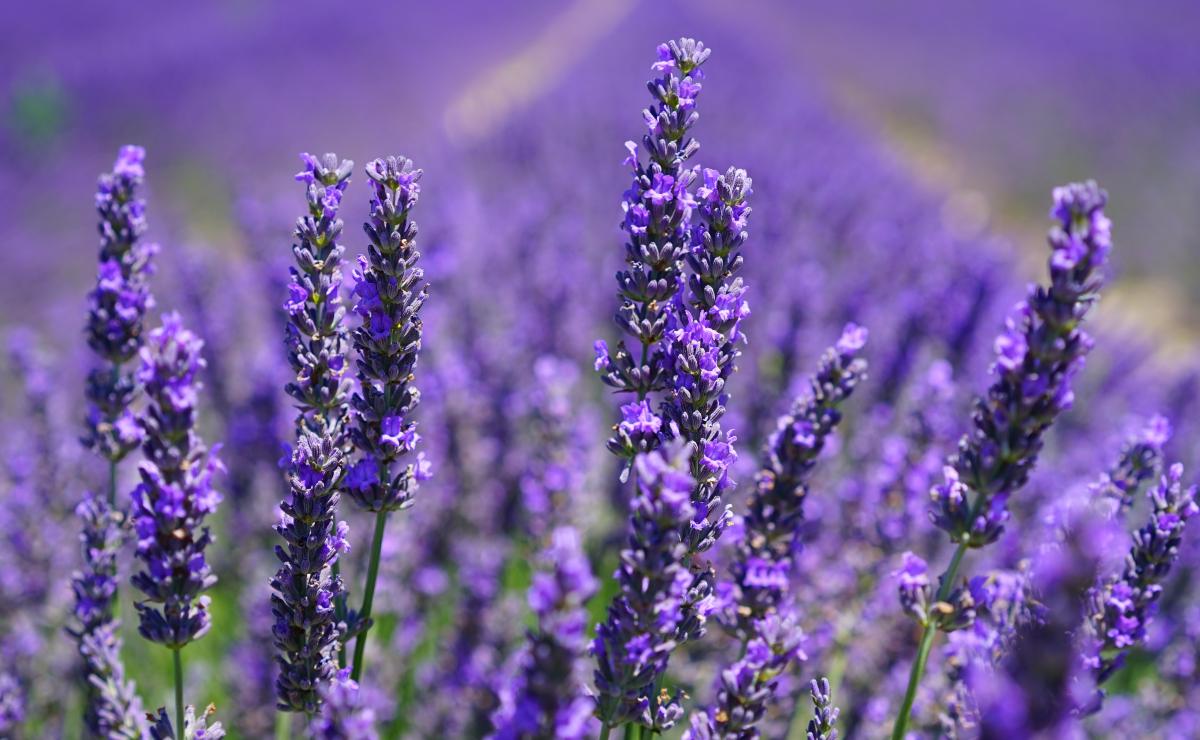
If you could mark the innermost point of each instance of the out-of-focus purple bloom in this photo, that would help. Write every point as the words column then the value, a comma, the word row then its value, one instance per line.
column 1033, row 692
column 1139, row 461
column 548, row 698
column 1119, row 609
column 316, row 336
column 304, row 588
column 12, row 703
column 176, row 491
column 634, row 643
column 113, row 707
column 391, row 289
column 1041, row 349
column 344, row 715
column 195, row 726
column 117, row 306
column 747, row 687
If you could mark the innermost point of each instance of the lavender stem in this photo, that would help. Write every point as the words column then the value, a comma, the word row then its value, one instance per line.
column 178, row 689
column 918, row 667
column 364, row 615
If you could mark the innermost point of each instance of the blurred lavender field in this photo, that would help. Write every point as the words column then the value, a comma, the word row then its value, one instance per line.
column 902, row 161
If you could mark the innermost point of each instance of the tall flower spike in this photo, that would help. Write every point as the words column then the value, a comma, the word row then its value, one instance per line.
column 304, row 588
column 1037, row 355
column 1039, row 352
column 701, row 349
column 117, row 307
column 549, row 698
column 762, row 568
column 113, row 707
column 658, row 210
column 316, row 337
column 390, row 290
column 633, row 644
column 176, row 493
column 1119, row 610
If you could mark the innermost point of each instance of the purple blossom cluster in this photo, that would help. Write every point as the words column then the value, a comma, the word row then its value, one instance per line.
column 176, row 492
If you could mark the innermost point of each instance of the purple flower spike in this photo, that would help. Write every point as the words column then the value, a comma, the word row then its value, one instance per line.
column 195, row 726
column 658, row 225
column 1037, row 355
column 304, row 588
column 1120, row 608
column 746, row 687
column 1140, row 460
column 776, row 508
column 634, row 643
column 176, row 492
column 390, row 290
column 316, row 338
column 117, row 306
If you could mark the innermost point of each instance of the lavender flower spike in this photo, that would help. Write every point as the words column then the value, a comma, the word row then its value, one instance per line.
column 821, row 726
column 113, row 707
column 176, row 492
column 633, row 645
column 390, row 289
column 316, row 337
column 761, row 570
column 747, row 687
column 1139, row 461
column 1119, row 610
column 304, row 588
column 1041, row 349
column 658, row 211
column 344, row 715
column 12, row 704
column 1039, row 352
column 702, row 347
column 548, row 698
column 117, row 308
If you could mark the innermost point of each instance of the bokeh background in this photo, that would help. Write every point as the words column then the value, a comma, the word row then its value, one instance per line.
column 903, row 155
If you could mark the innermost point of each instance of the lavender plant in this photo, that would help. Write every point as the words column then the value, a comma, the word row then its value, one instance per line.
column 390, row 290
column 117, row 309
column 174, row 497
column 1037, row 356
column 1119, row 609
column 308, row 599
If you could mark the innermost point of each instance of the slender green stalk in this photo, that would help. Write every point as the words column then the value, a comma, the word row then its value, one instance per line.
column 283, row 725
column 339, row 609
column 604, row 730
column 178, row 691
column 360, row 645
column 918, row 667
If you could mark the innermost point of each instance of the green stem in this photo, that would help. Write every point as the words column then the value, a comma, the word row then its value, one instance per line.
column 339, row 610
column 918, row 667
column 604, row 730
column 360, row 645
column 283, row 725
column 178, row 691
